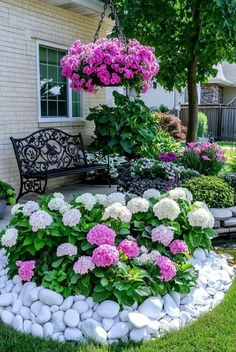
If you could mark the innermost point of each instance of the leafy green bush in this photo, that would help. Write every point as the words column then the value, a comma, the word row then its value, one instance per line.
column 7, row 192
column 212, row 190
column 128, row 129
column 202, row 127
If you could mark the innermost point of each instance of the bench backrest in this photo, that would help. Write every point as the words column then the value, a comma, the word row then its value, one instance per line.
column 49, row 149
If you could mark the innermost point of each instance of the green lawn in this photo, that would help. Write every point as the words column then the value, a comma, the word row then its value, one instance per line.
column 213, row 332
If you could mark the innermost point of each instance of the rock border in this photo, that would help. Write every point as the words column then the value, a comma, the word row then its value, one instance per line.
column 45, row 313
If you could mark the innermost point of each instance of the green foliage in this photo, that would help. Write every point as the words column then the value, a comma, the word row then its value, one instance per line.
column 212, row 190
column 172, row 125
column 162, row 108
column 232, row 163
column 7, row 192
column 202, row 125
column 128, row 129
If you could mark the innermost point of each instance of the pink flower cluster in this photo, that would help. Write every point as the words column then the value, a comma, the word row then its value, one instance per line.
column 178, row 246
column 105, row 255
column 129, row 248
column 206, row 151
column 167, row 268
column 83, row 265
column 66, row 249
column 101, row 234
column 26, row 269
column 163, row 235
column 109, row 62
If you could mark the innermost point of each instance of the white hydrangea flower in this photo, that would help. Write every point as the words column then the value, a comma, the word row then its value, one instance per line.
column 143, row 249
column 58, row 195
column 56, row 203
column 40, row 220
column 181, row 193
column 101, row 198
column 9, row 238
column 64, row 208
column 166, row 208
column 71, row 218
column 151, row 193
column 117, row 211
column 145, row 257
column 138, row 205
column 17, row 208
column 30, row 207
column 201, row 205
column 116, row 197
column 87, row 199
column 201, row 218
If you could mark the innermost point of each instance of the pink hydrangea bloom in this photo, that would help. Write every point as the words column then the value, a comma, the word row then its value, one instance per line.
column 66, row 249
column 129, row 248
column 71, row 217
column 26, row 269
column 83, row 265
column 101, row 234
column 167, row 268
column 40, row 220
column 178, row 246
column 163, row 235
column 105, row 255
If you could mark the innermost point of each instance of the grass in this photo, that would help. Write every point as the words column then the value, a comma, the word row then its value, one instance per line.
column 212, row 332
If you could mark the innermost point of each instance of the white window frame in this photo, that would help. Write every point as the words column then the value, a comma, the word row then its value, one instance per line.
column 68, row 118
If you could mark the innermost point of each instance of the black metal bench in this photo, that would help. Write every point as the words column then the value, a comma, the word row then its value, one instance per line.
column 50, row 153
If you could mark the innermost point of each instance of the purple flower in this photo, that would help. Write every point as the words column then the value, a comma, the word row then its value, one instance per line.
column 101, row 234
column 178, row 246
column 83, row 265
column 205, row 157
column 66, row 249
column 129, row 248
column 167, row 268
column 105, row 255
column 167, row 157
column 163, row 235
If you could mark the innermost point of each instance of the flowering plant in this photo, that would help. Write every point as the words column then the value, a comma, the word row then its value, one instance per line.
column 207, row 158
column 7, row 192
column 109, row 62
column 115, row 247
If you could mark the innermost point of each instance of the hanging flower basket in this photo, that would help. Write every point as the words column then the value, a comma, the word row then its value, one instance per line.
column 110, row 62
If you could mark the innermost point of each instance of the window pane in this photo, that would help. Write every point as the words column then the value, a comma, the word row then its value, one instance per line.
column 43, row 54
column 52, row 108
column 76, row 104
column 52, row 56
column 60, row 78
column 52, row 73
column 43, row 108
column 60, row 56
column 62, row 108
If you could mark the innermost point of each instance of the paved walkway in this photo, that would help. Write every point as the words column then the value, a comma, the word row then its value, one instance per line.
column 66, row 190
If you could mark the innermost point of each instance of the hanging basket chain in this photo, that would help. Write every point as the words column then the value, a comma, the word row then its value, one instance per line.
column 117, row 22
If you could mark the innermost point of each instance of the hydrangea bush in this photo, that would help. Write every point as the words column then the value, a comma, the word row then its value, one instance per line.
column 115, row 247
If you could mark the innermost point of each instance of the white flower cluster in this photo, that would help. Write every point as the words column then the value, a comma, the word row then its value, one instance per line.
column 101, row 199
column 64, row 208
column 116, row 197
column 201, row 217
column 151, row 193
column 201, row 205
column 9, row 238
column 16, row 209
column 71, row 218
column 181, row 193
column 40, row 220
column 152, row 256
column 30, row 207
column 166, row 208
column 87, row 199
column 58, row 195
column 138, row 205
column 56, row 203
column 117, row 211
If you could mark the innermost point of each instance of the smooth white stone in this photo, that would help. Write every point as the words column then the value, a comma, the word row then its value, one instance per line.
column 164, row 325
column 25, row 313
column 97, row 317
column 17, row 280
column 27, row 326
column 32, row 317
column 151, row 307
column 37, row 330
column 3, row 279
column 15, row 297
column 54, row 308
column 81, row 306
column 175, row 324
column 170, row 306
column 87, row 315
column 26, row 299
column 108, row 309
column 67, row 304
column 95, row 307
column 107, row 323
column 211, row 291
column 185, row 316
column 124, row 315
column 176, row 297
column 17, row 306
column 7, row 317
column 6, row 299
column 162, row 314
column 90, row 302
column 44, row 315
column 48, row 329
column 34, row 294
column 118, row 330
column 200, row 254
column 73, row 334
column 17, row 323
column 58, row 321
column 9, row 286
column 138, row 335
column 50, row 297
column 93, row 330
column 153, row 327
column 36, row 306
column 138, row 320
column 79, row 298
column 17, row 288
column 71, row 318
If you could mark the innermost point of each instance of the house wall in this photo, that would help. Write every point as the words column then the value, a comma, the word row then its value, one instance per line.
column 229, row 94
column 22, row 23
column 211, row 94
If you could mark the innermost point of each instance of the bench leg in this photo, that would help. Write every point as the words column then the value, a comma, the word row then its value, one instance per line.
column 34, row 185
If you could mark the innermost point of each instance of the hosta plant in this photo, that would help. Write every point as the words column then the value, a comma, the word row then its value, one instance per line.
column 115, row 247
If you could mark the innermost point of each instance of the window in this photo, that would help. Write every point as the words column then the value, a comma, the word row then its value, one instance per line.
column 57, row 102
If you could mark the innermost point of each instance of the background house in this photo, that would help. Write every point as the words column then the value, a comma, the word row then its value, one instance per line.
column 34, row 35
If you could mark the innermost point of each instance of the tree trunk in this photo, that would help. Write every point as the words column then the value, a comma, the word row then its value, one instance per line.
column 193, row 101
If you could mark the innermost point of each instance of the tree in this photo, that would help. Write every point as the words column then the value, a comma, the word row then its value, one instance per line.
column 190, row 37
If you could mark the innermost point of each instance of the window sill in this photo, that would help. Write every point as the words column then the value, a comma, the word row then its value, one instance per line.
column 56, row 124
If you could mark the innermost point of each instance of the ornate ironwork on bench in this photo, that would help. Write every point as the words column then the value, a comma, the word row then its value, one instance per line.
column 50, row 153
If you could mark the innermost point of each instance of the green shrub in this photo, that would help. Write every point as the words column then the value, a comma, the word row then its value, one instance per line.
column 202, row 128
column 212, row 190
column 128, row 129
column 7, row 192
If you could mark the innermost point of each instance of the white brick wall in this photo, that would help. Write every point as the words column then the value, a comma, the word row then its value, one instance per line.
column 22, row 23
